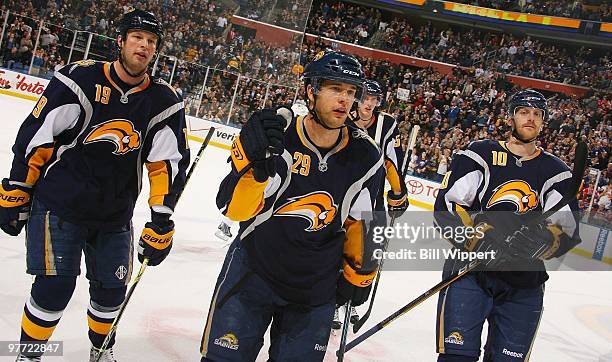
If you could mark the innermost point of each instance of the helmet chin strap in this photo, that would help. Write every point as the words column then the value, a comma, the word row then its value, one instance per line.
column 522, row 140
column 122, row 62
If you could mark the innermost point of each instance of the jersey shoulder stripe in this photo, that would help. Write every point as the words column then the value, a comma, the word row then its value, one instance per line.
column 362, row 141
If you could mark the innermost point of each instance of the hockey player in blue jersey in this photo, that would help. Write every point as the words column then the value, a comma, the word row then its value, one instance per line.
column 77, row 172
column 382, row 128
column 498, row 187
column 303, row 198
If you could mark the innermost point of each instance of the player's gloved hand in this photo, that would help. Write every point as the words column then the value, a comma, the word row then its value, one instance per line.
column 346, row 290
column 260, row 140
column 397, row 204
column 14, row 207
column 353, row 286
column 156, row 239
column 487, row 240
column 539, row 241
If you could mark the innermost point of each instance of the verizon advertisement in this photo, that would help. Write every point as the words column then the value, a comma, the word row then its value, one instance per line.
column 21, row 85
column 223, row 135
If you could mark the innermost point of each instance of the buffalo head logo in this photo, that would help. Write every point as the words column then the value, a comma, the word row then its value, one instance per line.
column 516, row 192
column 317, row 207
column 119, row 132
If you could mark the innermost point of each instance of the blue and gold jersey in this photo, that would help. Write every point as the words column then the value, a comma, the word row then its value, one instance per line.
column 298, row 225
column 488, row 183
column 84, row 145
column 384, row 131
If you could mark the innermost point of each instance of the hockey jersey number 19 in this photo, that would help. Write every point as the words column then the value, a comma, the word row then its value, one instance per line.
column 84, row 145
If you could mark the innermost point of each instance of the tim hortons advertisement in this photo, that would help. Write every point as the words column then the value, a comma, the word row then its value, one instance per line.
column 21, row 85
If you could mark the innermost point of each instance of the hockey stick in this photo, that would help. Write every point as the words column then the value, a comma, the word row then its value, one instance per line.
column 357, row 325
column 145, row 262
column 579, row 167
column 365, row 317
column 209, row 135
column 347, row 319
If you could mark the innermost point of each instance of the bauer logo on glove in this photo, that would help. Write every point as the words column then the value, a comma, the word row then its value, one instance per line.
column 13, row 198
column 155, row 240
column 14, row 207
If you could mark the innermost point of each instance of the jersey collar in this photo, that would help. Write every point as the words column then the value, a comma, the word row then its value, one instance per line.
column 124, row 95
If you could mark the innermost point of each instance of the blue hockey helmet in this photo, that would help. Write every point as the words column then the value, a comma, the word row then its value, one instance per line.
column 373, row 88
column 137, row 19
column 528, row 98
column 336, row 66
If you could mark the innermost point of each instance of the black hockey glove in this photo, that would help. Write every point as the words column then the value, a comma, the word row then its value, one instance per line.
column 156, row 239
column 397, row 204
column 14, row 207
column 260, row 140
column 347, row 290
column 540, row 241
column 495, row 249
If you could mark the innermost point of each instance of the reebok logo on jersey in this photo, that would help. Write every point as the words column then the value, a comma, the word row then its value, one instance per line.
column 228, row 341
column 119, row 132
column 516, row 192
column 317, row 207
column 454, row 338
column 512, row 354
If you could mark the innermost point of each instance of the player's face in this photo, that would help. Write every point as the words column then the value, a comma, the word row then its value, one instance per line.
column 366, row 107
column 528, row 122
column 138, row 50
column 334, row 101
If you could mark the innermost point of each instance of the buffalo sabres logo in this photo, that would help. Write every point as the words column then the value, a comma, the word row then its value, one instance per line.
column 317, row 207
column 119, row 132
column 516, row 192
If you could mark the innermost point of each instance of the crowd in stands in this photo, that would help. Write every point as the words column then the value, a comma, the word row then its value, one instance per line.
column 255, row 9
column 596, row 10
column 493, row 51
column 451, row 110
column 344, row 21
column 202, row 36
column 292, row 14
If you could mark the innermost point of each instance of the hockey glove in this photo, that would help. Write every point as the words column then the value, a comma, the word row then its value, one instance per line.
column 14, row 207
column 156, row 239
column 397, row 204
column 488, row 241
column 353, row 286
column 540, row 241
column 346, row 290
column 260, row 140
